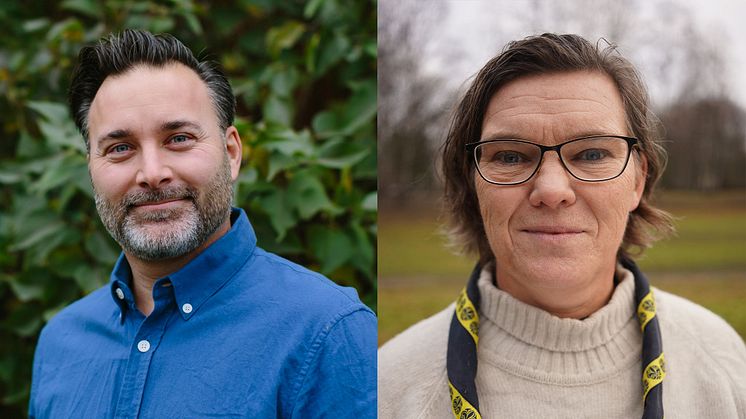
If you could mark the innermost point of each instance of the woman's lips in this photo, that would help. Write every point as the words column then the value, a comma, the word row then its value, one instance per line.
column 552, row 234
column 552, row 230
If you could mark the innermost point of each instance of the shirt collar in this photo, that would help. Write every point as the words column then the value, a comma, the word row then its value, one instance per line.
column 202, row 277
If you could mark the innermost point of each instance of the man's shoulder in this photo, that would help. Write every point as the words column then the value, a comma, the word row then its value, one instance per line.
column 89, row 306
column 294, row 283
column 412, row 365
column 94, row 307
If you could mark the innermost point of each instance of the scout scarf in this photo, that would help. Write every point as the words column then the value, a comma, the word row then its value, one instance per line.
column 461, row 361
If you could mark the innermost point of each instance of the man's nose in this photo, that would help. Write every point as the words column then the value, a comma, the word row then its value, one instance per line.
column 154, row 170
column 552, row 184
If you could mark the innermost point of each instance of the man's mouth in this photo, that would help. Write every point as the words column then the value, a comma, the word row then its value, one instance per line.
column 163, row 204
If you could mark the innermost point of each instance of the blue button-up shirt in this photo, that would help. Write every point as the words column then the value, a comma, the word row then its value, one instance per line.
column 236, row 333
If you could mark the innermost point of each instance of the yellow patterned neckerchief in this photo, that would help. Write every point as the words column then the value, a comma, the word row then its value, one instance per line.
column 463, row 338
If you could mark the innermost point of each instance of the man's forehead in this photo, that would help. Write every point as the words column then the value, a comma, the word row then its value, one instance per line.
column 148, row 96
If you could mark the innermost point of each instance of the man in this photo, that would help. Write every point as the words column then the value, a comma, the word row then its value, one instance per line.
column 549, row 167
column 197, row 320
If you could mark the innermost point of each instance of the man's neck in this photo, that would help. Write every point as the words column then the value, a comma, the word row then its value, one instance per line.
column 146, row 272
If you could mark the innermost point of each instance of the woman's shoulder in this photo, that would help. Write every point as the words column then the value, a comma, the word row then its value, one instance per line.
column 681, row 316
column 694, row 336
column 412, row 367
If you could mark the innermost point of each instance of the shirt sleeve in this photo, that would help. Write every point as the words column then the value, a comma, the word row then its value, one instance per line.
column 341, row 383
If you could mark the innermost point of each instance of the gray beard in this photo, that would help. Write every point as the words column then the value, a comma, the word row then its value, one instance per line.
column 170, row 233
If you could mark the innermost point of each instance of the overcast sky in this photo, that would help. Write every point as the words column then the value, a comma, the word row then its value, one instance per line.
column 468, row 32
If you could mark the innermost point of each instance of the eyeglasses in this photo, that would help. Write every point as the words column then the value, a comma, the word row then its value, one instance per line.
column 590, row 159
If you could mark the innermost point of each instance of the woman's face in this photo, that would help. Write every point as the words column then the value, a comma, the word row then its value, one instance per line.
column 555, row 235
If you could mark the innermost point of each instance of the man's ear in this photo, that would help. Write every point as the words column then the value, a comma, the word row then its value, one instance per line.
column 641, row 175
column 233, row 147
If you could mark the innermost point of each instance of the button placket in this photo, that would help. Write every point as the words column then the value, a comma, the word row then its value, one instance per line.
column 147, row 339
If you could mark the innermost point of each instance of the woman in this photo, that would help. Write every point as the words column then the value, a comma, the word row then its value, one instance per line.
column 549, row 167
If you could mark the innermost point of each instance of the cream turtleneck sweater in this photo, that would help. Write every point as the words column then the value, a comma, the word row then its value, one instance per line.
column 535, row 365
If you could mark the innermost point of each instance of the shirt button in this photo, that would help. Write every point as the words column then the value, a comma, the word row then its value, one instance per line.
column 143, row 345
column 186, row 308
column 120, row 293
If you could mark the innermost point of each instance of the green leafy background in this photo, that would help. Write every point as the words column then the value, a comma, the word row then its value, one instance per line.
column 304, row 76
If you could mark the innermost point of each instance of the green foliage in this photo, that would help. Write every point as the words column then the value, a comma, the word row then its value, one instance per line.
column 304, row 76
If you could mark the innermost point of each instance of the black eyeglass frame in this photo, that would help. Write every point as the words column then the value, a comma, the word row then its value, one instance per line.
column 472, row 147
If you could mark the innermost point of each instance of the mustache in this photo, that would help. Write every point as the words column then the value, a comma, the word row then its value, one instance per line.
column 156, row 195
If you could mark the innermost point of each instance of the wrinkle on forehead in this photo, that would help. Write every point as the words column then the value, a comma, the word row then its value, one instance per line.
column 556, row 107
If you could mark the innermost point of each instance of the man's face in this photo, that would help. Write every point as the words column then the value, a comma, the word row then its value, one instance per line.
column 161, row 168
column 555, row 231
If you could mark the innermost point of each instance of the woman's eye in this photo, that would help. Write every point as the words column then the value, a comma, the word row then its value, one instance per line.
column 508, row 157
column 592, row 155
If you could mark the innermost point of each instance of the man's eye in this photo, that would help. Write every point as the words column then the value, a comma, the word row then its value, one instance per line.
column 119, row 148
column 179, row 138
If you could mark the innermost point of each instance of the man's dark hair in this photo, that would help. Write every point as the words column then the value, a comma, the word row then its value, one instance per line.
column 547, row 54
column 119, row 53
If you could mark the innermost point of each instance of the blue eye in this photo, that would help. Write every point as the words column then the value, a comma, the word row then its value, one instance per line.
column 592, row 154
column 509, row 157
column 120, row 148
column 180, row 138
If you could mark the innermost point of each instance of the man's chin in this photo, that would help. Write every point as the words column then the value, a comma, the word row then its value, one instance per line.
column 160, row 234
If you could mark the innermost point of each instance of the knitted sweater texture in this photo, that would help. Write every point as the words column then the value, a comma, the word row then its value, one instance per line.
column 535, row 365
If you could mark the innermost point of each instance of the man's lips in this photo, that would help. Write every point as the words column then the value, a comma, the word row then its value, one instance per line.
column 164, row 204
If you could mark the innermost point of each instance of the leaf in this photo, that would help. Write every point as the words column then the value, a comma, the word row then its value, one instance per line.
column 288, row 142
column 10, row 177
column 43, row 233
column 101, row 248
column 90, row 8
column 277, row 109
column 279, row 162
column 363, row 258
column 41, row 250
column 284, row 36
column 340, row 154
column 26, row 291
column 311, row 8
column 34, row 25
column 89, row 278
column 65, row 170
column 307, row 196
column 283, row 82
column 51, row 111
column 279, row 212
column 24, row 321
column 370, row 202
column 331, row 246
column 331, row 52
column 361, row 108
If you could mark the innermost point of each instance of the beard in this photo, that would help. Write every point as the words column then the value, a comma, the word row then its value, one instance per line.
column 173, row 232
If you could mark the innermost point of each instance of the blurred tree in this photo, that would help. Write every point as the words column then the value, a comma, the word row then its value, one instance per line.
column 706, row 143
column 304, row 73
column 410, row 120
column 422, row 50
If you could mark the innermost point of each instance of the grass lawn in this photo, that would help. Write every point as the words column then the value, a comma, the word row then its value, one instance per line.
column 705, row 262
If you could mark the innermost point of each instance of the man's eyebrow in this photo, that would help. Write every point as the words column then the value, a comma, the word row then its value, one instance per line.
column 179, row 124
column 117, row 134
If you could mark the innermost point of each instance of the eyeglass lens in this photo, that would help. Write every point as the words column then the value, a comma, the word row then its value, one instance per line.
column 594, row 159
